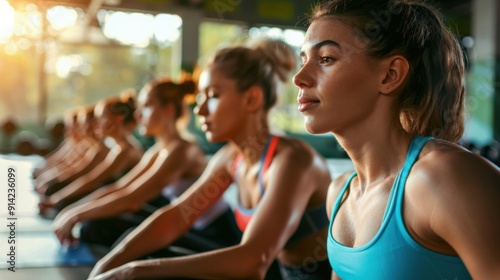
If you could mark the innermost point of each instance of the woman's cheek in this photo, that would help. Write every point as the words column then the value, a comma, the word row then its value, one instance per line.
column 146, row 112
column 212, row 104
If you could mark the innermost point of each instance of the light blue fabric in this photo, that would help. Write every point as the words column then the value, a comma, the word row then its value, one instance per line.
column 392, row 253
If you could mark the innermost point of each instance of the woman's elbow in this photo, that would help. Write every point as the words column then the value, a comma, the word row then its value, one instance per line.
column 254, row 265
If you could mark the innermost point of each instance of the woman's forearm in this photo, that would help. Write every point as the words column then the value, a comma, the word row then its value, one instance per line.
column 77, row 188
column 105, row 207
column 164, row 226
column 235, row 262
column 101, row 192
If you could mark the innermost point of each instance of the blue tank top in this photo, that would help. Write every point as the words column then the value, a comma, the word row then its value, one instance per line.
column 392, row 253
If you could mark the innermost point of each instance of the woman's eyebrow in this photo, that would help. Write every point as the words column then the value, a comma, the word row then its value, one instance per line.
column 322, row 44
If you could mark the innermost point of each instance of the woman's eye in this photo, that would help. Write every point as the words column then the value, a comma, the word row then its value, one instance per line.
column 326, row 59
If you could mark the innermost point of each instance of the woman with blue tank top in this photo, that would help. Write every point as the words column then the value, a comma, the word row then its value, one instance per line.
column 281, row 184
column 387, row 79
column 166, row 170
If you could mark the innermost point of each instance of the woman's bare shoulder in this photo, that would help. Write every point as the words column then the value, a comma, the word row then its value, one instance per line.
column 439, row 156
column 448, row 168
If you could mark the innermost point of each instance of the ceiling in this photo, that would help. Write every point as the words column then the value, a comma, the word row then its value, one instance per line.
column 249, row 11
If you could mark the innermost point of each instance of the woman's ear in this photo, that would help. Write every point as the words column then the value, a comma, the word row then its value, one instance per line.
column 254, row 98
column 169, row 109
column 396, row 70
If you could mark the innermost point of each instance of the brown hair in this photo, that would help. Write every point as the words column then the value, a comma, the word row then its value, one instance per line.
column 124, row 105
column 70, row 116
column 260, row 63
column 169, row 92
column 432, row 102
column 87, row 113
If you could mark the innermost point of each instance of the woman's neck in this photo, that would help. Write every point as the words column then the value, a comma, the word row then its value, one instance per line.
column 378, row 153
column 251, row 141
column 120, row 135
column 168, row 136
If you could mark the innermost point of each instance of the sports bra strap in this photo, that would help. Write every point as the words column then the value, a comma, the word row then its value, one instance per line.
column 265, row 160
column 267, row 157
column 236, row 165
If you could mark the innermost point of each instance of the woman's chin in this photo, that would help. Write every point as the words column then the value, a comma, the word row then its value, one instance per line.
column 145, row 132
column 311, row 128
column 212, row 138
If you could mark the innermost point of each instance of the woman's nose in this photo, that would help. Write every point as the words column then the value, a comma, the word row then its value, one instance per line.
column 299, row 79
column 201, row 106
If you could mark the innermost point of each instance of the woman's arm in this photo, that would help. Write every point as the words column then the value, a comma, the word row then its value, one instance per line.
column 144, row 164
column 72, row 152
column 91, row 159
column 52, row 157
column 462, row 191
column 75, row 163
column 115, row 162
column 167, row 168
column 171, row 221
column 288, row 191
column 67, row 160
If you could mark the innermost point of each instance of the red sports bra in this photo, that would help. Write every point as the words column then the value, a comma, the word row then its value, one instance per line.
column 244, row 215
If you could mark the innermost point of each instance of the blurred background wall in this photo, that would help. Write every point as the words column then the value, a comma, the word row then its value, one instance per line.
column 58, row 54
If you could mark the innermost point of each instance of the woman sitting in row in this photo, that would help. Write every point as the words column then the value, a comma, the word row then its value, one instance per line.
column 115, row 122
column 281, row 182
column 166, row 170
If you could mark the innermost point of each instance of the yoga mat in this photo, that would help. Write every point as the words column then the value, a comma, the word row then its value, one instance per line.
column 41, row 250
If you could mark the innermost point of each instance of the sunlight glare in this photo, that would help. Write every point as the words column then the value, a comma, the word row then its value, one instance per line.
column 6, row 21
column 61, row 17
column 166, row 28
column 294, row 37
column 129, row 28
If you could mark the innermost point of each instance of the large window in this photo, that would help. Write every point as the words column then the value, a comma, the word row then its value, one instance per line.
column 215, row 35
column 19, row 61
column 85, row 74
column 79, row 62
column 54, row 57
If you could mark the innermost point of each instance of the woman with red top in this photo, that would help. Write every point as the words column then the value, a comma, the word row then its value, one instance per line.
column 281, row 182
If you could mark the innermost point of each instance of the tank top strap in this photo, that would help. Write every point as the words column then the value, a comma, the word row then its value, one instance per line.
column 341, row 195
column 266, row 158
column 236, row 167
column 416, row 145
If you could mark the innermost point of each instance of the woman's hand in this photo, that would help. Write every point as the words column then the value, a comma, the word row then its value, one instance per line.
column 63, row 225
column 41, row 189
column 45, row 204
column 122, row 272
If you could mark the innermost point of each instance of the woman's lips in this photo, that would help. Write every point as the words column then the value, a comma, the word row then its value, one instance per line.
column 306, row 104
column 204, row 127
